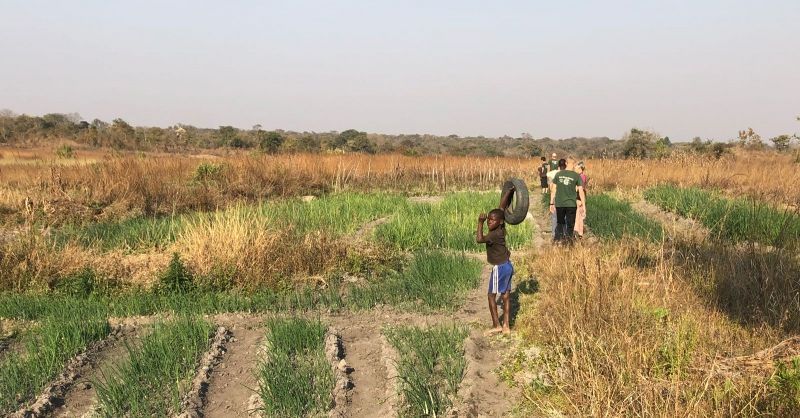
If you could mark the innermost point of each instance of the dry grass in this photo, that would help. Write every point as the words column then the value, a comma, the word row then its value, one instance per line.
column 740, row 174
column 255, row 252
column 628, row 334
column 121, row 185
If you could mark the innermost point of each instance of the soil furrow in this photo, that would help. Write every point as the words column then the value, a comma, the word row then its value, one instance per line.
column 81, row 398
column 234, row 379
column 194, row 400
column 364, row 351
column 334, row 351
column 54, row 396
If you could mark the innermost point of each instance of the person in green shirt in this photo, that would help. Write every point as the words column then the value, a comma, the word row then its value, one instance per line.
column 567, row 186
column 553, row 163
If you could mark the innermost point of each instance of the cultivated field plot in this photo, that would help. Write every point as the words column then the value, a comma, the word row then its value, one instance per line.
column 343, row 256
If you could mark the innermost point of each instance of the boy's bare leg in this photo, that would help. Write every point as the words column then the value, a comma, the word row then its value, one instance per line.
column 506, row 312
column 495, row 318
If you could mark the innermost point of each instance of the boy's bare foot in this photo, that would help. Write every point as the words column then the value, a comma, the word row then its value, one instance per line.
column 492, row 331
column 506, row 330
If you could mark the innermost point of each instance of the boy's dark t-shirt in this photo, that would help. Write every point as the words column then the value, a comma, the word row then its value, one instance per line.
column 567, row 182
column 496, row 251
column 553, row 165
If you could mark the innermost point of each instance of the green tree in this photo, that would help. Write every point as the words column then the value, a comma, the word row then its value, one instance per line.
column 270, row 142
column 662, row 148
column 229, row 136
column 782, row 142
column 639, row 143
column 354, row 141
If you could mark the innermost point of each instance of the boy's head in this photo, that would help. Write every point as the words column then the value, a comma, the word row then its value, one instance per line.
column 495, row 218
column 562, row 164
column 544, row 159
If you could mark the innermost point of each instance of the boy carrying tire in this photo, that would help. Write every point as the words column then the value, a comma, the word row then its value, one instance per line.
column 498, row 255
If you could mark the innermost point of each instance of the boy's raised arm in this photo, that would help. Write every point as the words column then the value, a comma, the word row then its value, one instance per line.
column 479, row 238
column 505, row 199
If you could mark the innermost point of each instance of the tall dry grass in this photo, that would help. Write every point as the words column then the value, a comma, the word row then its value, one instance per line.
column 626, row 333
column 763, row 175
column 253, row 252
column 131, row 185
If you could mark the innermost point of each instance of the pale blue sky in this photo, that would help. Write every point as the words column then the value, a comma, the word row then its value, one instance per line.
column 551, row 68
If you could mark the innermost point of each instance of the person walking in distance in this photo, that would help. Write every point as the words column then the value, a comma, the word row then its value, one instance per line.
column 542, row 171
column 553, row 163
column 566, row 194
column 580, row 216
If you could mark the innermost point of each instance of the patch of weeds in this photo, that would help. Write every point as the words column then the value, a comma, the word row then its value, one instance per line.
column 206, row 173
column 431, row 366
column 157, row 373
column 65, row 151
column 786, row 382
column 219, row 279
column 675, row 353
column 79, row 284
column 47, row 348
column 373, row 261
column 295, row 378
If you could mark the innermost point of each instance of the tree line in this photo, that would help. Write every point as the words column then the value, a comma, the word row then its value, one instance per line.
column 119, row 134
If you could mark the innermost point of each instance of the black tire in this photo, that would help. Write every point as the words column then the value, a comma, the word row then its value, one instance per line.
column 517, row 209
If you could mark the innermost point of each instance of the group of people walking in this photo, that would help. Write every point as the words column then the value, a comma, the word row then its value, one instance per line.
column 567, row 187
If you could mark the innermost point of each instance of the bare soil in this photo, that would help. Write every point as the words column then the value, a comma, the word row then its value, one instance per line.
column 233, row 380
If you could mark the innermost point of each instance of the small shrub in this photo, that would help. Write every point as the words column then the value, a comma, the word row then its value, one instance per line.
column 65, row 151
column 208, row 173
column 177, row 278
column 80, row 284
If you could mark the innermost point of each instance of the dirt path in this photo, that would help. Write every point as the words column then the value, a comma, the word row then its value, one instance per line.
column 234, row 380
column 363, row 349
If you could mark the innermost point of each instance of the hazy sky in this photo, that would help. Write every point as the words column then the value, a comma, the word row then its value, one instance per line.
column 551, row 68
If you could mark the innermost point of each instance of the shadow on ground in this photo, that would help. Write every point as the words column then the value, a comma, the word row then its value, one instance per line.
column 527, row 286
column 753, row 285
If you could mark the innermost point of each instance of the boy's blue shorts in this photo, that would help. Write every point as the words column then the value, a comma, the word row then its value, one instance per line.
column 500, row 278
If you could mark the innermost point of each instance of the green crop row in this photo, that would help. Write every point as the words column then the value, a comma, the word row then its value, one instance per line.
column 433, row 280
column 448, row 224
column 430, row 367
column 156, row 374
column 46, row 349
column 611, row 218
column 295, row 378
column 608, row 217
column 738, row 219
